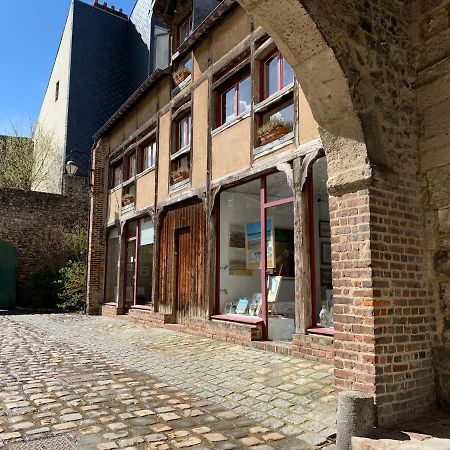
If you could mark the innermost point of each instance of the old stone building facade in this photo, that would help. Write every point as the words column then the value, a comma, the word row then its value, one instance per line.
column 370, row 95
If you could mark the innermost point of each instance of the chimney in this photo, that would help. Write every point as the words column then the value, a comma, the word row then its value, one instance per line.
column 111, row 9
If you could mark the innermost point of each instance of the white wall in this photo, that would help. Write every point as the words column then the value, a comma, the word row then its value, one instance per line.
column 52, row 120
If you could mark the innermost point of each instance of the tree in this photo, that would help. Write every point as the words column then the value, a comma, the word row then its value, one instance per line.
column 26, row 162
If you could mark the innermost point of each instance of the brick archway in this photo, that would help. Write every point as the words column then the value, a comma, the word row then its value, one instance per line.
column 352, row 60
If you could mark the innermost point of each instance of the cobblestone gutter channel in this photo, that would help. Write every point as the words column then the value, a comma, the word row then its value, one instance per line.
column 110, row 383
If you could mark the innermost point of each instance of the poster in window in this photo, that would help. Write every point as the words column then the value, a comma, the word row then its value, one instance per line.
column 253, row 244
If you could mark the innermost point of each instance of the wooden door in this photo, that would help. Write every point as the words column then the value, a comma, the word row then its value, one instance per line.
column 183, row 267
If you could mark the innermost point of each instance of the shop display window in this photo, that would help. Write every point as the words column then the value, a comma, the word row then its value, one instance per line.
column 145, row 262
column 252, row 286
column 112, row 261
column 323, row 309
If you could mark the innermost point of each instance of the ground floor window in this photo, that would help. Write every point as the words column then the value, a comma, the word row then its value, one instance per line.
column 139, row 262
column 253, row 286
column 112, row 261
column 323, row 305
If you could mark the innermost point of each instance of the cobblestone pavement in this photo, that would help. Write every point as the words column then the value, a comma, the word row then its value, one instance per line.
column 104, row 383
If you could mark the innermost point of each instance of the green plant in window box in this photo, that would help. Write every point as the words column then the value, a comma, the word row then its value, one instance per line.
column 179, row 175
column 272, row 130
column 180, row 74
column 127, row 199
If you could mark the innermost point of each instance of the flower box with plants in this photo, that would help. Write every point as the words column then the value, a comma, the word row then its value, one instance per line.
column 180, row 74
column 127, row 200
column 272, row 130
column 179, row 175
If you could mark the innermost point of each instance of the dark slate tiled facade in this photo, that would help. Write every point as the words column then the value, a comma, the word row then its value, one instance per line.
column 110, row 59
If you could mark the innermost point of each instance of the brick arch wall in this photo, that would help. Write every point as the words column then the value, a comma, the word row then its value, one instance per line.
column 354, row 61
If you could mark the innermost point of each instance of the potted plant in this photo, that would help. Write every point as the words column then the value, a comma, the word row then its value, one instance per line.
column 127, row 199
column 179, row 175
column 180, row 74
column 271, row 130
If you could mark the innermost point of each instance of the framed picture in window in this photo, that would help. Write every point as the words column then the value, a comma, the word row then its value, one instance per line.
column 325, row 252
column 324, row 228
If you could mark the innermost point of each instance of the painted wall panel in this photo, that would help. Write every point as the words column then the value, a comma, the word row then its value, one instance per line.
column 145, row 190
column 114, row 205
column 200, row 136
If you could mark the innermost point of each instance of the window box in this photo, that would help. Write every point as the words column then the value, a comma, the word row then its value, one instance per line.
column 179, row 175
column 127, row 199
column 180, row 74
column 272, row 130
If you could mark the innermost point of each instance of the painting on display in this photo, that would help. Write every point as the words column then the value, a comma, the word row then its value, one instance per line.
column 236, row 251
column 253, row 244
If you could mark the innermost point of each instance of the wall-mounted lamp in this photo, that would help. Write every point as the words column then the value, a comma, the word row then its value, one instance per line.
column 71, row 168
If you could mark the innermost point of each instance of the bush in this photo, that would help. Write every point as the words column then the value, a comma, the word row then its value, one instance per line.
column 72, row 286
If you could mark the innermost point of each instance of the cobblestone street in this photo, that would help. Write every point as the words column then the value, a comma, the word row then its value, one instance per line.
column 101, row 383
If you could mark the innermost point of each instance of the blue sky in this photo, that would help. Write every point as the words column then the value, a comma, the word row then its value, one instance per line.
column 30, row 32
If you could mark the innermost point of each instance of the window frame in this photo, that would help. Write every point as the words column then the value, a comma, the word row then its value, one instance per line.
column 187, row 18
column 114, row 183
column 128, row 158
column 143, row 147
column 229, row 85
column 179, row 150
column 263, row 77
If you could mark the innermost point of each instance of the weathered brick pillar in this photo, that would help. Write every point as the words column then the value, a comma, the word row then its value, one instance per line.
column 383, row 311
column 96, row 258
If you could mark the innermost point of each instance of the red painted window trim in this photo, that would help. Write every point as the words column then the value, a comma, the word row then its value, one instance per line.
column 263, row 74
column 224, row 89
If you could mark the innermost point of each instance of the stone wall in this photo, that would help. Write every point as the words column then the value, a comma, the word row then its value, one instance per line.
column 28, row 219
column 431, row 35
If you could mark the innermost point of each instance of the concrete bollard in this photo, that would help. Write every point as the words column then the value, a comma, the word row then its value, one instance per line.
column 356, row 417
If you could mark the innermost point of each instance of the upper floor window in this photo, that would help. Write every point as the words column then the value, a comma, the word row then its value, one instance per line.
column 184, row 29
column 131, row 166
column 234, row 99
column 148, row 157
column 183, row 131
column 276, row 74
column 116, row 175
column 57, row 91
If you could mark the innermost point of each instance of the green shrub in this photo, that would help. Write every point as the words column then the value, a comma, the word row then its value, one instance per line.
column 72, row 286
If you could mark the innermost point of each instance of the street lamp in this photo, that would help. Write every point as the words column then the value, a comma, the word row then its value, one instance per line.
column 71, row 168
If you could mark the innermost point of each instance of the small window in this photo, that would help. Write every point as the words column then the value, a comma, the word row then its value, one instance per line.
column 234, row 99
column 183, row 138
column 184, row 29
column 148, row 156
column 116, row 175
column 57, row 91
column 131, row 166
column 276, row 74
column 276, row 123
column 183, row 71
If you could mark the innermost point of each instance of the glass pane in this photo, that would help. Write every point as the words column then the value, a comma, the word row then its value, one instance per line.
column 281, row 272
column 145, row 272
column 153, row 154
column 131, row 229
column 229, row 102
column 132, row 166
column 185, row 30
column 187, row 64
column 288, row 74
column 129, row 274
column 285, row 113
column 271, row 76
column 240, row 250
column 147, row 232
column 185, row 132
column 245, row 95
column 112, row 259
column 277, row 187
column 117, row 175
column 322, row 246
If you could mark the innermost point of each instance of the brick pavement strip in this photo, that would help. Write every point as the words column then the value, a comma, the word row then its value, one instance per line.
column 111, row 383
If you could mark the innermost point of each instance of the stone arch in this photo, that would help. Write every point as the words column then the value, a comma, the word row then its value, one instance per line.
column 325, row 85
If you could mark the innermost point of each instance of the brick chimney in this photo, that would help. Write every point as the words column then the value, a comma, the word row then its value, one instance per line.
column 111, row 9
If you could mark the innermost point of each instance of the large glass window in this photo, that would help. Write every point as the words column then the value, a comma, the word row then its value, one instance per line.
column 253, row 287
column 112, row 261
column 323, row 308
column 130, row 263
column 145, row 262
column 180, row 159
